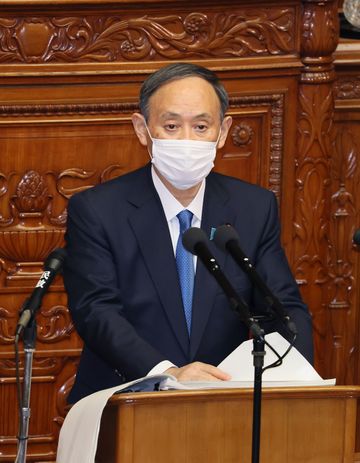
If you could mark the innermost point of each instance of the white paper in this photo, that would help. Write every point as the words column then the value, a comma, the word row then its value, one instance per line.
column 295, row 368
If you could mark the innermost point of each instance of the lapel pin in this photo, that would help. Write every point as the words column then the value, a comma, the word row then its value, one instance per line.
column 212, row 233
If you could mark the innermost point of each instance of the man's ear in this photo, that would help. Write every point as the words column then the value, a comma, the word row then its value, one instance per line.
column 225, row 127
column 140, row 128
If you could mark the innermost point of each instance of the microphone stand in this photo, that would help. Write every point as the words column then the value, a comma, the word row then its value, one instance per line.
column 27, row 326
column 258, row 354
column 258, row 359
column 29, row 339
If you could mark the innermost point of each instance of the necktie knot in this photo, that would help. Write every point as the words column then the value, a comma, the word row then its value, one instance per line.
column 185, row 218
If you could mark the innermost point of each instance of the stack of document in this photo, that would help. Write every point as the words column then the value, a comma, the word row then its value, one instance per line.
column 294, row 371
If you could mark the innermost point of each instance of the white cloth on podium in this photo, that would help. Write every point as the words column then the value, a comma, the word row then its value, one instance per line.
column 80, row 430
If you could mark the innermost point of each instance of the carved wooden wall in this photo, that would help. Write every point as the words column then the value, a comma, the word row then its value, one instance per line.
column 345, row 208
column 70, row 75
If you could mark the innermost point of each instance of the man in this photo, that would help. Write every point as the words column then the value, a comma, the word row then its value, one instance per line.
column 125, row 276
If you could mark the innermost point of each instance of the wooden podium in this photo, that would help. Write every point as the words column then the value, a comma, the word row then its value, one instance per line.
column 299, row 425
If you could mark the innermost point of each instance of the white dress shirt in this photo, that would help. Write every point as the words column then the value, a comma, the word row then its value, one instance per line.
column 171, row 208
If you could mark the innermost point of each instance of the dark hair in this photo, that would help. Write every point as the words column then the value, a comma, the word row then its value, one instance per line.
column 180, row 71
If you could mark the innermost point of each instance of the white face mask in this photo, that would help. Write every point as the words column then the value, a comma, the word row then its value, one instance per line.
column 184, row 163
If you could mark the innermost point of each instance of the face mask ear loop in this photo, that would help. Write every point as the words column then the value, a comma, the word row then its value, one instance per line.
column 151, row 138
column 218, row 138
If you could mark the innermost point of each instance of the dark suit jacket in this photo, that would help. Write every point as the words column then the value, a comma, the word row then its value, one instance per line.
column 123, row 287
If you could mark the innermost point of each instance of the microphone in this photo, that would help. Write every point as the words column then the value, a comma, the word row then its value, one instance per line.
column 52, row 267
column 356, row 237
column 195, row 241
column 227, row 239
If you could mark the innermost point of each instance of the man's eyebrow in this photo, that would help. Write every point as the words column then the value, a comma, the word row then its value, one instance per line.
column 203, row 116
column 170, row 114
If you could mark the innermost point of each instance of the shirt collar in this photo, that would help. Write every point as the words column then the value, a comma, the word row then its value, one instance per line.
column 171, row 205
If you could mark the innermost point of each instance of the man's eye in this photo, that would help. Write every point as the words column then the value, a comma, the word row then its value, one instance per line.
column 171, row 126
column 201, row 127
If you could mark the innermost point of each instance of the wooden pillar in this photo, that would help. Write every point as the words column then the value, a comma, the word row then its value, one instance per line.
column 315, row 149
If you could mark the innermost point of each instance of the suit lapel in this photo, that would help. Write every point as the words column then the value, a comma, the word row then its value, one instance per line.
column 149, row 224
column 215, row 213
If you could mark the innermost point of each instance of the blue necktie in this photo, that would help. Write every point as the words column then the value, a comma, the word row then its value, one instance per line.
column 185, row 266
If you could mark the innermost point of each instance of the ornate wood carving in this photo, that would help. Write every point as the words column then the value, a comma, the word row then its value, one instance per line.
column 320, row 34
column 29, row 230
column 66, row 109
column 100, row 38
column 345, row 175
column 242, row 134
column 48, row 366
column 54, row 325
column 315, row 149
column 26, row 233
column 8, row 322
column 347, row 88
column 310, row 224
